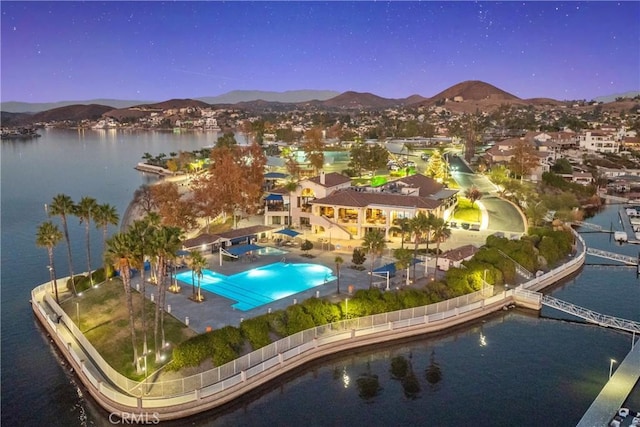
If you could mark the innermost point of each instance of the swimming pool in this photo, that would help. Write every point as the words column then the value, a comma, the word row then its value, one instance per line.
column 268, row 250
column 262, row 285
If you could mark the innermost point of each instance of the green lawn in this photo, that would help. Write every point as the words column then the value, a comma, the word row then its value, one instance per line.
column 465, row 212
column 104, row 320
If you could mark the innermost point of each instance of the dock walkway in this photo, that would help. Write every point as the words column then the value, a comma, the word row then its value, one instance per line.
column 615, row 392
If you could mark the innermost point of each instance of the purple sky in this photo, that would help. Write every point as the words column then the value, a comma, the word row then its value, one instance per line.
column 54, row 51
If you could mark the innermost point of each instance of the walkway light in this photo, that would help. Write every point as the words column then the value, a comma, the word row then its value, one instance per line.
column 611, row 367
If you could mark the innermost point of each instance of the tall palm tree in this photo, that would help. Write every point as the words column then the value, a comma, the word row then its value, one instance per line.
column 104, row 216
column 290, row 186
column 198, row 263
column 62, row 205
column 121, row 253
column 402, row 226
column 85, row 210
column 419, row 225
column 338, row 260
column 48, row 236
column 441, row 231
column 374, row 243
column 141, row 233
column 166, row 242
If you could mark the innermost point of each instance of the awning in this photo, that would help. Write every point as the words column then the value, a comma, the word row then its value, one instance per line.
column 288, row 232
column 391, row 268
column 242, row 249
column 273, row 198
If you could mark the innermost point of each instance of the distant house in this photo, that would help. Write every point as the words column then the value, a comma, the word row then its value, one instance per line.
column 599, row 141
column 454, row 257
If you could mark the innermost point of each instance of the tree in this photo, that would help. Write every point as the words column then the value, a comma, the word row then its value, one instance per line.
column 436, row 167
column 227, row 140
column 441, row 231
column 473, row 194
column 358, row 158
column 524, row 159
column 358, row 258
column 306, row 246
column 338, row 260
column 401, row 226
column 290, row 186
column 165, row 244
column 62, row 205
column 143, row 197
column 104, row 216
column 173, row 209
column 313, row 147
column 420, row 226
column 85, row 210
column 403, row 260
column 373, row 242
column 120, row 252
column 48, row 236
column 141, row 234
column 198, row 263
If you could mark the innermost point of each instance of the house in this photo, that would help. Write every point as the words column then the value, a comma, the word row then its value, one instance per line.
column 454, row 257
column 331, row 207
column 599, row 141
column 583, row 178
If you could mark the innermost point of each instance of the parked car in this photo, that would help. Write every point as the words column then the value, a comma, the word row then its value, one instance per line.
column 410, row 164
column 424, row 156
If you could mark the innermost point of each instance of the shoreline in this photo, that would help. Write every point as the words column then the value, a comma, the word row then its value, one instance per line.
column 345, row 335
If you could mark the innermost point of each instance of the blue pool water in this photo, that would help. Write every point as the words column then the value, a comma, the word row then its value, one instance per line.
column 262, row 285
column 268, row 250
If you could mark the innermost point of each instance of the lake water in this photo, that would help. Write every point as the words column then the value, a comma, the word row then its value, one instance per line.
column 514, row 368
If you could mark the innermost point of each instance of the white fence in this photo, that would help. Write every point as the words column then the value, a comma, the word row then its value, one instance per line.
column 164, row 394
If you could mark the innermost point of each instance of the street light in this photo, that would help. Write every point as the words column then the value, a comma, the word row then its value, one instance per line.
column 78, row 312
column 611, row 367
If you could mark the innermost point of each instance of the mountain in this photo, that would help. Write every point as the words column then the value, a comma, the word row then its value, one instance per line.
column 71, row 112
column 360, row 100
column 612, row 97
column 173, row 103
column 26, row 107
column 474, row 90
column 290, row 96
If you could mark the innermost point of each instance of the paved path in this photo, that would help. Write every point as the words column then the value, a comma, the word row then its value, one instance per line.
column 615, row 392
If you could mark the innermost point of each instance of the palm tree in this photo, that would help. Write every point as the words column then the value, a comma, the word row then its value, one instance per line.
column 338, row 260
column 104, row 216
column 48, row 236
column 198, row 263
column 121, row 253
column 401, row 226
column 419, row 225
column 85, row 211
column 290, row 186
column 374, row 243
column 441, row 231
column 403, row 257
column 62, row 205
column 166, row 242
column 141, row 233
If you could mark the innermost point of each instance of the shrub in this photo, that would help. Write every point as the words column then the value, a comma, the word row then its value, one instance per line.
column 321, row 311
column 226, row 343
column 78, row 278
column 192, row 352
column 358, row 258
column 256, row 331
column 297, row 319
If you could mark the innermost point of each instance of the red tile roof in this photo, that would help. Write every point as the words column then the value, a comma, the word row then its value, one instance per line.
column 331, row 179
column 349, row 197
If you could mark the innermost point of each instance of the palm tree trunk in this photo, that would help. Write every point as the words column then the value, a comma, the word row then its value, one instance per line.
column 415, row 254
column 66, row 237
column 156, row 322
column 143, row 309
column 87, row 233
column 126, row 279
column 52, row 273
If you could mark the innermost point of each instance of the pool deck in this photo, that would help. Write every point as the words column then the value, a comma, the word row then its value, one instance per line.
column 217, row 311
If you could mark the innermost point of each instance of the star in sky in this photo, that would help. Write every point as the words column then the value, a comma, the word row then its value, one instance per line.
column 54, row 51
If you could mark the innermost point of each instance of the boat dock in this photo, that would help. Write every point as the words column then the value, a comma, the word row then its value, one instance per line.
column 615, row 392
